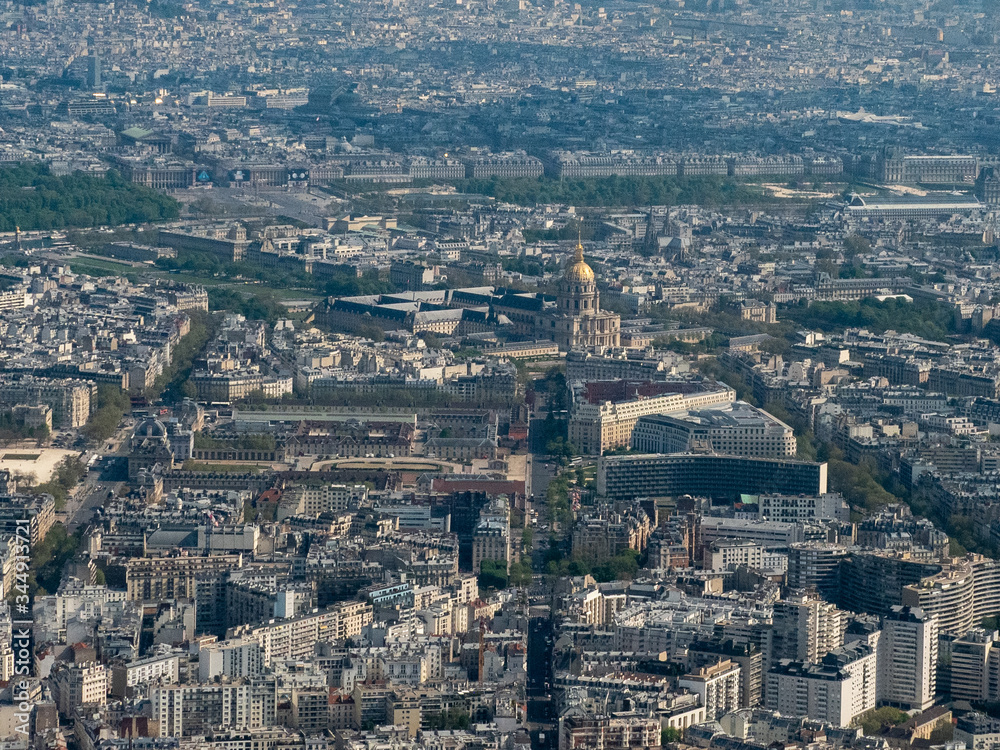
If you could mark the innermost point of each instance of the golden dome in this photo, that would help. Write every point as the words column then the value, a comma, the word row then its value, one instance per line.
column 578, row 270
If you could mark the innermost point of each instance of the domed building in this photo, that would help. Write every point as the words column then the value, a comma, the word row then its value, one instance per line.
column 149, row 428
column 149, row 448
column 574, row 320
column 579, row 322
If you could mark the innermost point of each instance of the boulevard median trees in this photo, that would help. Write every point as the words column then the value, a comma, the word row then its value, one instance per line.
column 520, row 574
column 67, row 475
column 173, row 383
column 557, row 500
column 561, row 450
column 49, row 557
column 493, row 574
column 112, row 404
column 622, row 567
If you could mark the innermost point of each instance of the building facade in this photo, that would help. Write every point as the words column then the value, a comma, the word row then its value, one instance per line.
column 908, row 659
column 596, row 427
column 579, row 322
column 740, row 430
column 835, row 690
column 718, row 687
column 705, row 475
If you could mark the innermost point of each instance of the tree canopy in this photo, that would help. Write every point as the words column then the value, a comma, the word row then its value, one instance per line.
column 925, row 318
column 49, row 557
column 621, row 191
column 493, row 574
column 33, row 198
column 112, row 404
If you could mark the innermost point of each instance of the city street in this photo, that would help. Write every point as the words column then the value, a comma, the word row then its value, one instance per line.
column 80, row 508
column 93, row 491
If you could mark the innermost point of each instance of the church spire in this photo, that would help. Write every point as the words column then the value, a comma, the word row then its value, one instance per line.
column 577, row 270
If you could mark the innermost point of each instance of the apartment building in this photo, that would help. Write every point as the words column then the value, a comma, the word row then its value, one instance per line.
column 729, row 554
column 977, row 731
column 13, row 299
column 908, row 659
column 38, row 510
column 232, row 658
column 791, row 508
column 196, row 709
column 315, row 499
column 744, row 654
column 491, row 539
column 157, row 668
column 835, row 690
column 611, row 533
column 815, row 566
column 975, row 666
column 739, row 430
column 597, row 427
column 162, row 578
column 72, row 401
column 773, row 535
column 78, row 685
column 948, row 595
column 805, row 628
column 717, row 687
column 873, row 582
column 226, row 387
column 623, row 732
column 295, row 637
column 584, row 366
column 311, row 710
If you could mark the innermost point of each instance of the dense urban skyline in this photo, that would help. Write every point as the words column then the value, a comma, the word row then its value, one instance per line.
column 500, row 375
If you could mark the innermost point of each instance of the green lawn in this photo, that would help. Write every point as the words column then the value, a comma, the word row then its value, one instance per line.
column 107, row 265
column 238, row 286
column 190, row 278
column 89, row 270
column 309, row 294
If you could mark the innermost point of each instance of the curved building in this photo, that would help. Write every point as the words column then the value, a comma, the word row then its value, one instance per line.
column 957, row 592
column 706, row 475
column 948, row 596
column 815, row 566
column 873, row 581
